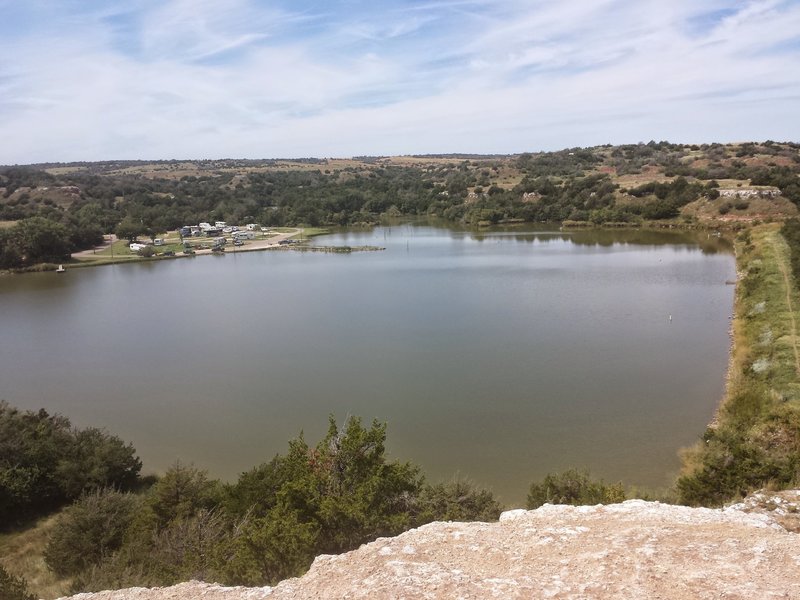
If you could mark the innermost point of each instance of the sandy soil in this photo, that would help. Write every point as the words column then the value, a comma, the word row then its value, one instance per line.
column 107, row 241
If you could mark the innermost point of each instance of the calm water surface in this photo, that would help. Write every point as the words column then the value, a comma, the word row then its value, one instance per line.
column 499, row 357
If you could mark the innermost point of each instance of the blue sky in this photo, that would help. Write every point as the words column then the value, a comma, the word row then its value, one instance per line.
column 95, row 80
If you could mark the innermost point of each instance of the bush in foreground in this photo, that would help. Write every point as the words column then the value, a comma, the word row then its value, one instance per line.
column 457, row 500
column 13, row 588
column 573, row 487
column 272, row 523
column 89, row 531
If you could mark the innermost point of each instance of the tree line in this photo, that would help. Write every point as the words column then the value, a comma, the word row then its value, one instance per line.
column 569, row 185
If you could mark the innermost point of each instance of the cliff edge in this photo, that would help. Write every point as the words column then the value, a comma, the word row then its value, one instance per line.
column 635, row 549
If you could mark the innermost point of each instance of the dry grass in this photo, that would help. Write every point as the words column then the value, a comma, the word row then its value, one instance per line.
column 65, row 170
column 769, row 306
column 763, row 208
column 177, row 170
column 632, row 181
column 21, row 553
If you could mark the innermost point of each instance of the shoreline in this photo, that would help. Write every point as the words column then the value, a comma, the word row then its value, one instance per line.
column 89, row 258
column 735, row 321
column 751, row 439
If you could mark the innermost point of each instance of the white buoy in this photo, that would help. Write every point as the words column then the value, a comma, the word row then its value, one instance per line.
column 670, row 318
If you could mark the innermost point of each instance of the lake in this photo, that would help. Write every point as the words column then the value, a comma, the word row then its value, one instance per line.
column 498, row 356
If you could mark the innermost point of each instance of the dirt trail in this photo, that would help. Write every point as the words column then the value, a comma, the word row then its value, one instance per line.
column 107, row 241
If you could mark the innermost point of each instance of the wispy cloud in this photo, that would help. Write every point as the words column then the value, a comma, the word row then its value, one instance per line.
column 202, row 78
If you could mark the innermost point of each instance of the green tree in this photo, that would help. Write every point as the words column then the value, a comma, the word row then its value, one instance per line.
column 96, row 459
column 10, row 254
column 129, row 229
column 39, row 240
column 330, row 498
column 46, row 463
column 181, row 493
column 359, row 495
column 32, row 446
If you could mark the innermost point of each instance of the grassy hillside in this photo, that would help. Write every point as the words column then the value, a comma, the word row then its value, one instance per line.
column 59, row 209
column 22, row 554
column 755, row 440
column 732, row 182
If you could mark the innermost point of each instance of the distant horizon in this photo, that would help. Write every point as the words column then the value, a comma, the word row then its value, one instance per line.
column 453, row 155
column 253, row 78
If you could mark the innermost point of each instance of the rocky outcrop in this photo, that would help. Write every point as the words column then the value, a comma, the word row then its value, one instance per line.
column 749, row 193
column 631, row 550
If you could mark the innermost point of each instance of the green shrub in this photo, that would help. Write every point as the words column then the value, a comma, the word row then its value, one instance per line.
column 269, row 549
column 746, row 405
column 89, row 531
column 573, row 487
column 191, row 547
column 181, row 493
column 13, row 588
column 737, row 461
column 458, row 500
